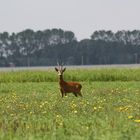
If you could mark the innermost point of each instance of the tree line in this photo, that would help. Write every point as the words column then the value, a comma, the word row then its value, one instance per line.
column 45, row 48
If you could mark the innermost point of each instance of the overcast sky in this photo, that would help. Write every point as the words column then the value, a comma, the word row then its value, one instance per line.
column 82, row 17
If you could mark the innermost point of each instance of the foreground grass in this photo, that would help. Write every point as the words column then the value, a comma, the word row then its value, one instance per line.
column 107, row 111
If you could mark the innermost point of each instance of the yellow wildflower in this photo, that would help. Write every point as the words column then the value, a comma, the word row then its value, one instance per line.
column 95, row 108
column 138, row 121
column 75, row 111
column 130, row 117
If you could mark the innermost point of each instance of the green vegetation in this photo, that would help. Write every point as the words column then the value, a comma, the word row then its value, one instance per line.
column 83, row 75
column 31, row 106
column 43, row 48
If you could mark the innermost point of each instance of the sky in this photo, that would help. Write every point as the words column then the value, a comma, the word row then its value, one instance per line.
column 82, row 17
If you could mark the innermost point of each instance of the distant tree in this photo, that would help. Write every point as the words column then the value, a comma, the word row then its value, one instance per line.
column 27, row 43
column 4, row 45
column 30, row 48
column 107, row 36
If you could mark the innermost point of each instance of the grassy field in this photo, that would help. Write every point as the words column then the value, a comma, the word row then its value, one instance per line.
column 84, row 75
column 31, row 107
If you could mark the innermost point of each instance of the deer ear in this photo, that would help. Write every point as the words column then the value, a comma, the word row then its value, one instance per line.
column 56, row 69
column 64, row 69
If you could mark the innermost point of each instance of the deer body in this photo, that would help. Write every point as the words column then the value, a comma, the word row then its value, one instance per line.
column 68, row 87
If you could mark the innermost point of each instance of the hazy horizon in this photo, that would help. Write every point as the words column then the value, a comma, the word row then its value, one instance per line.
column 81, row 17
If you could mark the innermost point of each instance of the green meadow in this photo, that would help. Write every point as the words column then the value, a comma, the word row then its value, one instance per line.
column 31, row 107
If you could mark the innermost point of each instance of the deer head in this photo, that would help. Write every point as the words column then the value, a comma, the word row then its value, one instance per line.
column 60, row 69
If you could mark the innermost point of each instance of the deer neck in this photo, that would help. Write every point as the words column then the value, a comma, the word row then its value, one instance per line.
column 61, row 80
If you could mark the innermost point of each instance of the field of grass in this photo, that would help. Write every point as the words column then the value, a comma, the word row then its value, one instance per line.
column 84, row 75
column 31, row 107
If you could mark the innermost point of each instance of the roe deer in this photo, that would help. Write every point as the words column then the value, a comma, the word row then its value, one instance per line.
column 67, row 87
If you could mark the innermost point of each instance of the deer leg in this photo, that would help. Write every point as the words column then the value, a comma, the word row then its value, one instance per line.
column 80, row 94
column 62, row 93
column 75, row 94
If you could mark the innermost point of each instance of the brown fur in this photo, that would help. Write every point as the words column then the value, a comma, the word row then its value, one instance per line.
column 68, row 87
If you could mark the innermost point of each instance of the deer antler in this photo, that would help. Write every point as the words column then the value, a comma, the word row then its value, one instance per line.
column 62, row 66
column 58, row 65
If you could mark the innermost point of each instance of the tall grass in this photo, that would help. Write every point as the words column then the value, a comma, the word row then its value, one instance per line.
column 31, row 107
column 72, row 75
